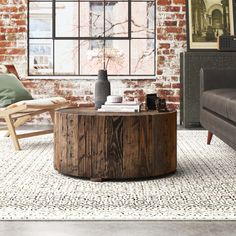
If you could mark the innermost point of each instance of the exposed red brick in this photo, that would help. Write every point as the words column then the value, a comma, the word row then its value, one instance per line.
column 164, row 45
column 180, row 16
column 3, row 50
column 29, row 84
column 173, row 106
column 3, row 1
column 8, row 30
column 174, row 78
column 7, row 44
column 173, row 99
column 163, row 2
column 17, row 51
column 165, row 92
column 18, row 16
column 172, row 9
column 176, row 85
column 174, row 30
column 20, row 22
column 166, row 51
column 182, row 23
column 180, row 37
column 170, row 23
column 2, row 58
column 9, row 8
column 163, row 85
column 2, row 37
column 182, row 2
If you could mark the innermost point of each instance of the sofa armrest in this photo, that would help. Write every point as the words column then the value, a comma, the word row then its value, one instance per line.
column 217, row 78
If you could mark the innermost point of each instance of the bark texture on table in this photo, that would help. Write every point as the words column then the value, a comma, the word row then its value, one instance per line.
column 115, row 146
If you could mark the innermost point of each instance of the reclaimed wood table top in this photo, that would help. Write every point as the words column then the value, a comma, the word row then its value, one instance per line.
column 91, row 111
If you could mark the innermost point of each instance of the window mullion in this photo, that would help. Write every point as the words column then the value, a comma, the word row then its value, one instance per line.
column 79, row 37
column 129, row 19
column 53, row 34
column 28, row 40
column 129, row 33
column 104, row 40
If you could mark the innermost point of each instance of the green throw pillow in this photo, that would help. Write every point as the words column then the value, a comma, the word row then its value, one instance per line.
column 12, row 90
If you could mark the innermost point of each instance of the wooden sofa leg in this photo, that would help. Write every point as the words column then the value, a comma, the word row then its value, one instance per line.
column 18, row 122
column 209, row 137
column 12, row 132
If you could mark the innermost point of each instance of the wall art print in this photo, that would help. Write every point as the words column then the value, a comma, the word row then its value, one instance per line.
column 206, row 20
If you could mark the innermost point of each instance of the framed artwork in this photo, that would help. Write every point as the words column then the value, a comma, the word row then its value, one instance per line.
column 206, row 20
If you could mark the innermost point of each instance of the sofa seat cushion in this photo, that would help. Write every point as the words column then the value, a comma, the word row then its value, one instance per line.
column 221, row 101
column 42, row 102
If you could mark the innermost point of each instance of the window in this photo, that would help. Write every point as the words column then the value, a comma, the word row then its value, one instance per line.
column 41, row 56
column 79, row 37
column 96, row 22
column 150, row 24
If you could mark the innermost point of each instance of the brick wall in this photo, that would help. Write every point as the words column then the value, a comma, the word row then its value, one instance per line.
column 171, row 40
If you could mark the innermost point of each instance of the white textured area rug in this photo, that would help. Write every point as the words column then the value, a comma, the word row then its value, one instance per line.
column 203, row 188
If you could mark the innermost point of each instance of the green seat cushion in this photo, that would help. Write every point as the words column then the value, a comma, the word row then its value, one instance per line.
column 12, row 90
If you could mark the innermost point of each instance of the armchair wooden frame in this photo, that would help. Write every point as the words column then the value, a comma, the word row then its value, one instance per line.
column 17, row 116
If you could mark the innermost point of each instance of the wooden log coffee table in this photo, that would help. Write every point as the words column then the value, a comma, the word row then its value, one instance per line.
column 101, row 146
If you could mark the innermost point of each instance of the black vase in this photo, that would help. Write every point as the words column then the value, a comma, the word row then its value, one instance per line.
column 102, row 88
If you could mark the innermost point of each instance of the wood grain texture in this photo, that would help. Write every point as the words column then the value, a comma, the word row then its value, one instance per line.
column 114, row 146
column 131, row 160
column 99, row 146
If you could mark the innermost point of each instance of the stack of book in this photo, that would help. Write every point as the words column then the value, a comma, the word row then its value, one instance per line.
column 120, row 107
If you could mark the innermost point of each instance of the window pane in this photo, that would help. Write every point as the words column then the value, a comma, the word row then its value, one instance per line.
column 116, row 19
column 143, row 19
column 40, row 19
column 41, row 59
column 66, row 57
column 91, row 59
column 91, row 19
column 67, row 19
column 117, row 57
column 142, row 58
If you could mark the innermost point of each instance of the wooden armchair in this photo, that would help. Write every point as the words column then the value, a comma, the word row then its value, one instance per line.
column 19, row 113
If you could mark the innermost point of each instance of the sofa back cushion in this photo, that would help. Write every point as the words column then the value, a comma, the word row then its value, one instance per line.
column 12, row 90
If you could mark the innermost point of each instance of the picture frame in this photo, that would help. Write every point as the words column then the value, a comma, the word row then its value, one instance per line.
column 206, row 20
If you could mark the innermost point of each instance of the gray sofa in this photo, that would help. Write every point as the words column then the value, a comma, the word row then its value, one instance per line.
column 218, row 104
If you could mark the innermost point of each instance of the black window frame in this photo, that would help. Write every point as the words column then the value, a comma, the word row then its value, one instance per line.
column 78, row 38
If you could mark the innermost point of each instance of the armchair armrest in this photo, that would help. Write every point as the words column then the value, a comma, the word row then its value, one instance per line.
column 217, row 78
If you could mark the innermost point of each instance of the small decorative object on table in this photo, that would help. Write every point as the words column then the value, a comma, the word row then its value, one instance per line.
column 156, row 103
column 161, row 105
column 151, row 100
column 102, row 88
column 114, row 99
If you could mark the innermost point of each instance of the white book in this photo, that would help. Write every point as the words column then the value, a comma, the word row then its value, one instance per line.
column 127, row 103
column 118, row 110
column 121, row 107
